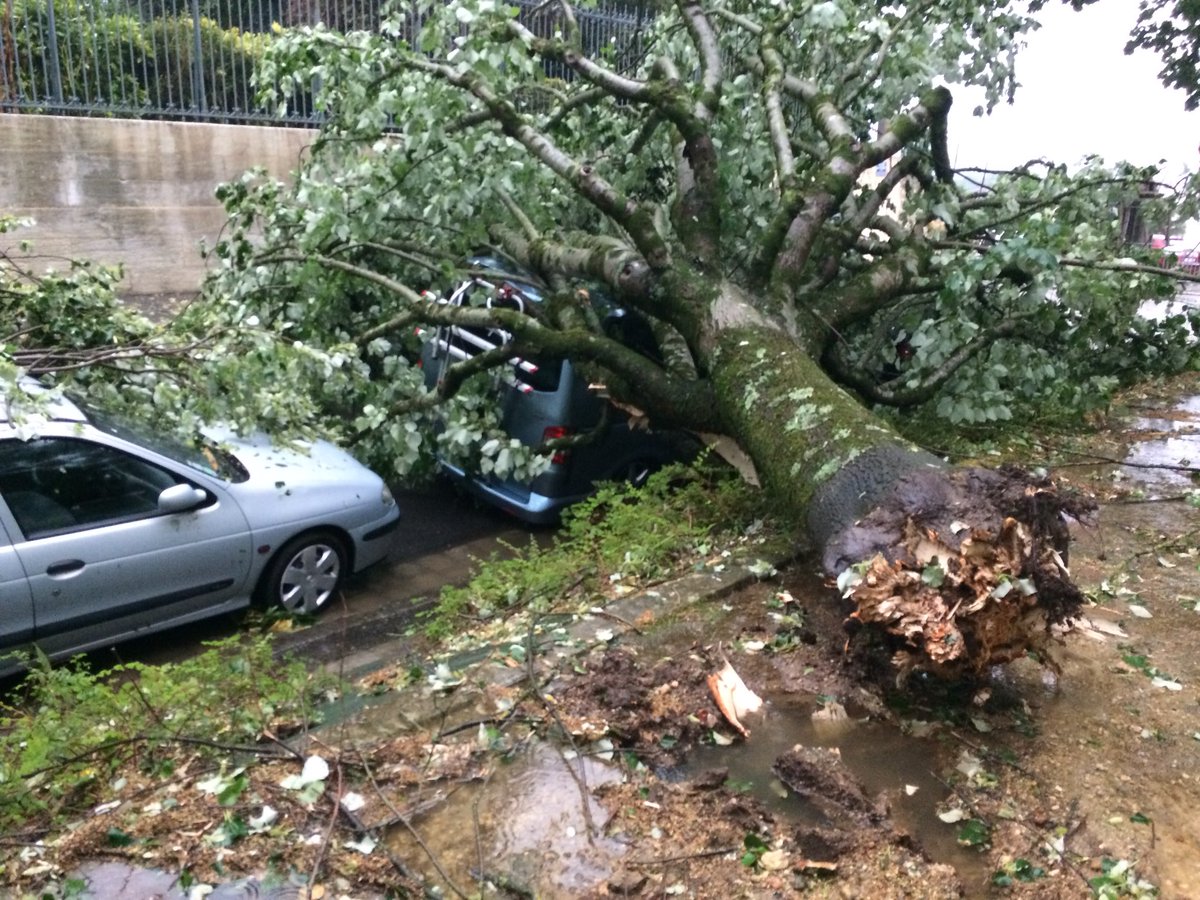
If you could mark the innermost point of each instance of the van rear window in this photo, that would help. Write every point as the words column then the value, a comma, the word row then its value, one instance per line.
column 548, row 375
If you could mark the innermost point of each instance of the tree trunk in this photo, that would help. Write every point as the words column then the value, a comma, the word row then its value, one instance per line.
column 963, row 568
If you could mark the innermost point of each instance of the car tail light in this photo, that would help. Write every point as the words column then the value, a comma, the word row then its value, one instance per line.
column 553, row 433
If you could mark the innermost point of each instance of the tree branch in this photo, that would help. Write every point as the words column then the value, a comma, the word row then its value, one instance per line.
column 804, row 90
column 517, row 213
column 696, row 212
column 906, row 128
column 880, row 52
column 589, row 256
column 569, row 104
column 605, row 259
column 866, row 214
column 1127, row 266
column 665, row 397
column 711, row 69
column 1130, row 267
column 584, row 179
column 569, row 54
column 786, row 251
column 875, row 288
column 42, row 360
column 874, row 392
column 1028, row 206
column 785, row 163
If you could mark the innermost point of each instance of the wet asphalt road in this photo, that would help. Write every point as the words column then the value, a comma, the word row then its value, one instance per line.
column 441, row 532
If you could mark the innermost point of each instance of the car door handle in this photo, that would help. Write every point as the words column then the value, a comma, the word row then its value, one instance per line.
column 65, row 568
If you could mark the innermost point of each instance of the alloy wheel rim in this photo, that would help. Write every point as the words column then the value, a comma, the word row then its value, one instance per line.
column 309, row 579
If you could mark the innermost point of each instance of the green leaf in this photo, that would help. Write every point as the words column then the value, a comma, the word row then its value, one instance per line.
column 233, row 790
column 118, row 838
column 1027, row 871
column 974, row 833
column 753, row 842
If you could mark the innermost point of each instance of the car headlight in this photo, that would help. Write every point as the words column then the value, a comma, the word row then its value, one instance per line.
column 386, row 496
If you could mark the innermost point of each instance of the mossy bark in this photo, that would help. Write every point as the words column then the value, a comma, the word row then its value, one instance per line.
column 819, row 453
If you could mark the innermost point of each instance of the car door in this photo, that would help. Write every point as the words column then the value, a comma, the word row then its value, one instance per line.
column 101, row 559
column 16, row 604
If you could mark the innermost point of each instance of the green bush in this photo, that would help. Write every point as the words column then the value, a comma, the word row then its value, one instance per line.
column 101, row 52
column 228, row 58
column 69, row 731
column 641, row 534
column 107, row 54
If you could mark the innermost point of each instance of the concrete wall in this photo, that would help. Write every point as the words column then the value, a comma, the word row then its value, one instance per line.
column 138, row 193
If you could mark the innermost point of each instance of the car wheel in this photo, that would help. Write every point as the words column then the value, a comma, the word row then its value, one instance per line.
column 305, row 573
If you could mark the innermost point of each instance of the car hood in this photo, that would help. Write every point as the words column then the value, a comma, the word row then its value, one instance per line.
column 310, row 462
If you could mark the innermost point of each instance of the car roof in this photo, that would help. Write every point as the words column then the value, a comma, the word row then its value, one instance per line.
column 30, row 397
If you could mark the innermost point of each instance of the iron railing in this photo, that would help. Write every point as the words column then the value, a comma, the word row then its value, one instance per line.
column 195, row 59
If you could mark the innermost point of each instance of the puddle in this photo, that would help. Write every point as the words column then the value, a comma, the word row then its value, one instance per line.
column 116, row 880
column 121, row 881
column 1112, row 740
column 1174, row 441
column 524, row 826
column 880, row 756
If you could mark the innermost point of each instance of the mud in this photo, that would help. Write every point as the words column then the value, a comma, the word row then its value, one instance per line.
column 1056, row 777
column 617, row 775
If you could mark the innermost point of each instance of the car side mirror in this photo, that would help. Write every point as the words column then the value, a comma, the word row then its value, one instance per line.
column 180, row 498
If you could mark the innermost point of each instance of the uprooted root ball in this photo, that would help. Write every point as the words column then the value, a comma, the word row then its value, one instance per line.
column 968, row 570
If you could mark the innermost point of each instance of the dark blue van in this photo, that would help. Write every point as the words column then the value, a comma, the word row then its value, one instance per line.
column 548, row 399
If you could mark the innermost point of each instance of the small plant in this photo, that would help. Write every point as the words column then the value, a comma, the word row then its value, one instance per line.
column 753, row 849
column 528, row 578
column 1017, row 870
column 1117, row 879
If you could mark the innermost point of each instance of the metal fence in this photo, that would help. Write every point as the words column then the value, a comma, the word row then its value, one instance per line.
column 195, row 59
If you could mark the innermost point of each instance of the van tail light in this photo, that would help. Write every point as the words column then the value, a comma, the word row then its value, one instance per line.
column 553, row 433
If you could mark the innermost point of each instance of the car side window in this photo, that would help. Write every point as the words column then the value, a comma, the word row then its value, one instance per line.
column 55, row 485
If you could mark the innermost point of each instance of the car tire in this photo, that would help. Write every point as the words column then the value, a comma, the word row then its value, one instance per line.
column 306, row 573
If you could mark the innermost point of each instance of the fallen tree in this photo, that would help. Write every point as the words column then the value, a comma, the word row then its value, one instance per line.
column 770, row 189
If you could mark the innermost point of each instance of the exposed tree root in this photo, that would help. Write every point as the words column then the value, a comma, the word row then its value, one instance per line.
column 964, row 568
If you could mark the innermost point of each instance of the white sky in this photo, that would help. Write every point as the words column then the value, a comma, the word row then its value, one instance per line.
column 1081, row 94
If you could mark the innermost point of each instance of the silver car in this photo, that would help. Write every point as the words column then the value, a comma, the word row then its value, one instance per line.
column 108, row 531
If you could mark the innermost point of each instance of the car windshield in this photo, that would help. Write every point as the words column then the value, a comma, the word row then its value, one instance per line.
column 203, row 456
